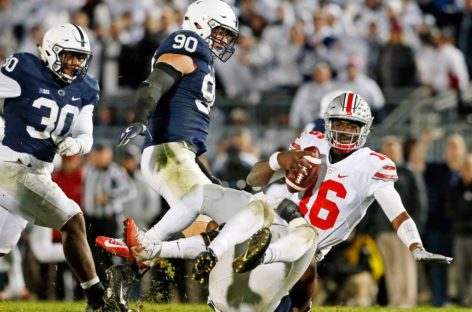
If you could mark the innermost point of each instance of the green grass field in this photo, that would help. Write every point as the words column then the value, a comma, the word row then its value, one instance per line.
column 148, row 307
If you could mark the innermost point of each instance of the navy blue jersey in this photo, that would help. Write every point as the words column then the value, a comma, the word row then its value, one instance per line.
column 182, row 112
column 44, row 113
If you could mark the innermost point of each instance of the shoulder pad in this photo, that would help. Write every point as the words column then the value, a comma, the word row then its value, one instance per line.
column 187, row 43
column 90, row 90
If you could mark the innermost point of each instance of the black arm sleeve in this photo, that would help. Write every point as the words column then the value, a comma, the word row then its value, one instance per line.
column 159, row 81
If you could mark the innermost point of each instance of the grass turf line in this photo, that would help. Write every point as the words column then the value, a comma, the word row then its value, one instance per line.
column 48, row 306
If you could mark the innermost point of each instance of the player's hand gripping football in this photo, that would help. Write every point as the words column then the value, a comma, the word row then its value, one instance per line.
column 421, row 255
column 294, row 159
column 132, row 131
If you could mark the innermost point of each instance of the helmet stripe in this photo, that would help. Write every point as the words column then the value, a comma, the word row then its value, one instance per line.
column 350, row 100
column 82, row 38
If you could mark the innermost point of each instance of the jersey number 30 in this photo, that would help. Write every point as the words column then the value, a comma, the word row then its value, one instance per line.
column 322, row 204
column 54, row 121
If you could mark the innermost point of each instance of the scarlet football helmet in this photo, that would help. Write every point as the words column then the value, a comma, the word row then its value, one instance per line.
column 348, row 106
column 204, row 17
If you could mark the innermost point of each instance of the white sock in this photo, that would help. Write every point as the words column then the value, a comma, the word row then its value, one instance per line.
column 239, row 228
column 88, row 284
column 179, row 216
column 184, row 248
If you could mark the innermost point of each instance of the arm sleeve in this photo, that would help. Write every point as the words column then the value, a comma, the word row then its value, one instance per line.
column 83, row 128
column 390, row 201
column 160, row 80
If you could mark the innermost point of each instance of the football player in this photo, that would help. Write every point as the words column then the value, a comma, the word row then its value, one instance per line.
column 47, row 105
column 355, row 177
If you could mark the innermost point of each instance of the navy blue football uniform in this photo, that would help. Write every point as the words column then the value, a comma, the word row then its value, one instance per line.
column 183, row 112
column 38, row 119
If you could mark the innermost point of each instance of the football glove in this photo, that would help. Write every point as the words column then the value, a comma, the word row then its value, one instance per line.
column 132, row 131
column 421, row 255
column 69, row 147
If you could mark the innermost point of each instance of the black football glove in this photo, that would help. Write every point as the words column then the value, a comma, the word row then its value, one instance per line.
column 135, row 129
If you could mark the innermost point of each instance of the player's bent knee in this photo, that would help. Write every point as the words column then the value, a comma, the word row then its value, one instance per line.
column 308, row 232
column 261, row 207
column 76, row 224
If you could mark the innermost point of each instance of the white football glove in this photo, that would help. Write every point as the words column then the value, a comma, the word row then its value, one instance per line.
column 421, row 255
column 69, row 147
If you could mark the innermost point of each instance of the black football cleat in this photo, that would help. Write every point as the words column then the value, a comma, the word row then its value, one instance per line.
column 254, row 253
column 121, row 280
column 202, row 266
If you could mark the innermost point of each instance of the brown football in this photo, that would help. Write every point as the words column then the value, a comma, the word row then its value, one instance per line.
column 300, row 179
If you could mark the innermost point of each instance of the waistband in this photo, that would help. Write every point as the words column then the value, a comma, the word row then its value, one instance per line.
column 9, row 155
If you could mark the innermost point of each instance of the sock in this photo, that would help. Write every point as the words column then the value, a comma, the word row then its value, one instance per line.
column 90, row 283
column 179, row 216
column 184, row 248
column 94, row 294
column 239, row 228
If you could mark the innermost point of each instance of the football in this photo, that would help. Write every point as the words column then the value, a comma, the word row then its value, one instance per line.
column 300, row 179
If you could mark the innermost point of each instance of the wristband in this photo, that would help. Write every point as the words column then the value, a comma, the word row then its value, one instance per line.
column 273, row 163
column 408, row 233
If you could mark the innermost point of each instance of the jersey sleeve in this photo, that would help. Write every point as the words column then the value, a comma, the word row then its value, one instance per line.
column 187, row 43
column 12, row 74
column 383, row 172
column 387, row 171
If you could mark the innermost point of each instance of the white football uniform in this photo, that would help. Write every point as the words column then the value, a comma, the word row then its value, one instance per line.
column 347, row 190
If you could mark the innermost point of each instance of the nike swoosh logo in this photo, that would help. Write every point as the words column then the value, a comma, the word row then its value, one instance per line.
column 111, row 245
column 75, row 98
column 342, row 176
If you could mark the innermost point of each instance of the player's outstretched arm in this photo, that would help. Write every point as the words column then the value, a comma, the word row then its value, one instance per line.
column 160, row 80
column 272, row 169
column 406, row 229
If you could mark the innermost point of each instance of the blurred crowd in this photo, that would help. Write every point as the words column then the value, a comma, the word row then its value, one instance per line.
column 308, row 49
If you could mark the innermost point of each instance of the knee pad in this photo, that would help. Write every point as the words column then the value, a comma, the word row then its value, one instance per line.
column 308, row 232
column 261, row 207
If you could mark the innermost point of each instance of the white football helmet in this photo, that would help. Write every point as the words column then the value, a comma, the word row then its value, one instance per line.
column 348, row 106
column 204, row 16
column 61, row 42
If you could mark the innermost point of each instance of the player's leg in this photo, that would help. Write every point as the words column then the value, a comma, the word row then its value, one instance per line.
column 186, row 188
column 34, row 195
column 260, row 289
column 256, row 216
column 10, row 230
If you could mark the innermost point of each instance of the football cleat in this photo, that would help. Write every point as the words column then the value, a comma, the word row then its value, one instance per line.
column 114, row 246
column 202, row 266
column 121, row 280
column 117, row 247
column 254, row 253
column 140, row 248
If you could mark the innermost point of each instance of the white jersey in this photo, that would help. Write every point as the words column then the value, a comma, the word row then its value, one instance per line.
column 347, row 190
